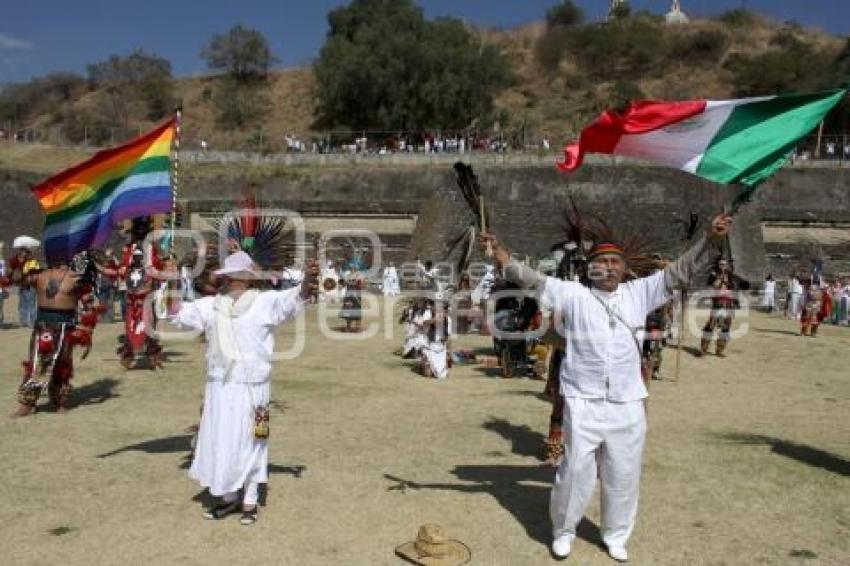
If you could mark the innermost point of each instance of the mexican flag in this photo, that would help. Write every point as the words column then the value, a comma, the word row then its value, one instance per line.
column 726, row 141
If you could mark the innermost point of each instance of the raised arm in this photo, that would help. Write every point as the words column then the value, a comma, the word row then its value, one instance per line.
column 512, row 270
column 681, row 272
column 658, row 289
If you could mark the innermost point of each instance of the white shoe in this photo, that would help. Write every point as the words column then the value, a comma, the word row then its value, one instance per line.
column 562, row 546
column 618, row 553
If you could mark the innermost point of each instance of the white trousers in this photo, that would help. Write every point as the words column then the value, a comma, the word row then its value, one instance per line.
column 612, row 434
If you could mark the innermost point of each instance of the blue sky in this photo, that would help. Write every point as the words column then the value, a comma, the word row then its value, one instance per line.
column 40, row 36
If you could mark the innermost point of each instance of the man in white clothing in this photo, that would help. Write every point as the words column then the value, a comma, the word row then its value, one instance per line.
column 769, row 297
column 600, row 378
column 231, row 453
column 390, row 284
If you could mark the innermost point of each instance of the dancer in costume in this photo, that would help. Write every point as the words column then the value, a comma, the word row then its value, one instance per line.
column 139, row 323
column 60, row 290
column 655, row 339
column 231, row 453
column 600, row 376
column 352, row 306
column 656, row 332
column 413, row 320
column 435, row 354
column 723, row 301
column 814, row 310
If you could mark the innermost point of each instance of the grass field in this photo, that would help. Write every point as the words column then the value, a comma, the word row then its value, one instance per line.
column 747, row 462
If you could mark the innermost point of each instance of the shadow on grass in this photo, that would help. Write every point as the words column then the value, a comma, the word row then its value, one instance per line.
column 695, row 352
column 777, row 331
column 513, row 487
column 489, row 372
column 522, row 490
column 800, row 452
column 94, row 393
column 167, row 445
column 524, row 440
column 540, row 395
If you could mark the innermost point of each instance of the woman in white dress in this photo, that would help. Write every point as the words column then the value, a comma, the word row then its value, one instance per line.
column 239, row 323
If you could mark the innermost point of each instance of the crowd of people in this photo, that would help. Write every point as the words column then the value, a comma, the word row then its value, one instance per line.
column 811, row 299
column 590, row 321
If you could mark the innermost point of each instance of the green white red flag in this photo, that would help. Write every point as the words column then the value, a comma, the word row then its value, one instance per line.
column 726, row 141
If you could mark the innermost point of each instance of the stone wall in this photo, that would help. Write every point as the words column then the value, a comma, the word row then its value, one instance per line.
column 526, row 202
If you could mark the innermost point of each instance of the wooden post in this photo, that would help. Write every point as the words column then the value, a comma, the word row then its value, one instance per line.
column 683, row 299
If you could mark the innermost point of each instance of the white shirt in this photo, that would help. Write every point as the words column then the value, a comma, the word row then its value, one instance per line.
column 602, row 362
column 253, row 331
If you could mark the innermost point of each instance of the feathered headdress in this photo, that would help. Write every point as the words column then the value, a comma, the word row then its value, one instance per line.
column 260, row 236
column 596, row 236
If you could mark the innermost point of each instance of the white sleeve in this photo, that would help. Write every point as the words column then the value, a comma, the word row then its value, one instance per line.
column 556, row 292
column 280, row 306
column 651, row 292
column 193, row 314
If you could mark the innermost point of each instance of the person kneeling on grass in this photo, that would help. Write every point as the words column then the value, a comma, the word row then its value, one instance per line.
column 239, row 324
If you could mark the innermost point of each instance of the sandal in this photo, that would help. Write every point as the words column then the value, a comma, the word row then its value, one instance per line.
column 221, row 511
column 248, row 517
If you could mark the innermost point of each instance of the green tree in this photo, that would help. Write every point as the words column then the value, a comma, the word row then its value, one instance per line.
column 739, row 17
column 384, row 66
column 39, row 96
column 237, row 105
column 140, row 76
column 791, row 65
column 565, row 14
column 243, row 53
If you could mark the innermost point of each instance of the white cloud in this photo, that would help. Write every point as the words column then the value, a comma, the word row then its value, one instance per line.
column 9, row 42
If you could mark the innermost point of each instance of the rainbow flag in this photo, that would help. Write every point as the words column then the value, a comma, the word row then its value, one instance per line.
column 85, row 202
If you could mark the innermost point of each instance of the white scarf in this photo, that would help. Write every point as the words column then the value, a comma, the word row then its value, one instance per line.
column 224, row 344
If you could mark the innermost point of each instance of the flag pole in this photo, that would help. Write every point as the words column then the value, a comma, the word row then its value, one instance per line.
column 175, row 172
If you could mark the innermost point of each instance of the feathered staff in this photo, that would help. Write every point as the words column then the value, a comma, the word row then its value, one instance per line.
column 467, row 182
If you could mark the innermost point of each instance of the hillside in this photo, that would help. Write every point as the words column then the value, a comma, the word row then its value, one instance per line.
column 653, row 61
column 559, row 102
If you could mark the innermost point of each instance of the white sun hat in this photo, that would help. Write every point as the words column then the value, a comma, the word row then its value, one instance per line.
column 238, row 263
column 25, row 242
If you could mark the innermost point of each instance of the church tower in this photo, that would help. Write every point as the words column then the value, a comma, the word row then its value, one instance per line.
column 676, row 16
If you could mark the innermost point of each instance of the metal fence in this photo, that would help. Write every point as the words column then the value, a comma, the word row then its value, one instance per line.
column 263, row 140
column 834, row 149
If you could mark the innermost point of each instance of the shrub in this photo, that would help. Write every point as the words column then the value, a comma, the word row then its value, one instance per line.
column 704, row 46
